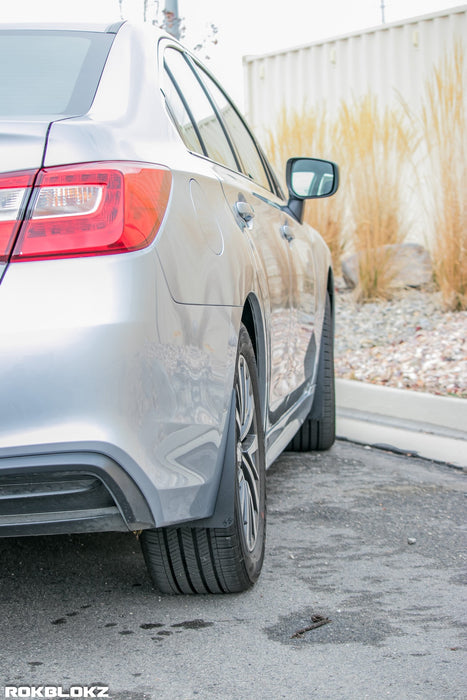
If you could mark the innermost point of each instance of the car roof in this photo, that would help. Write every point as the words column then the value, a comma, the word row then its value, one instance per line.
column 101, row 27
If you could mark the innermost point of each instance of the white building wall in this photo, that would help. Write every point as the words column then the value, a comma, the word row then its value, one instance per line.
column 388, row 60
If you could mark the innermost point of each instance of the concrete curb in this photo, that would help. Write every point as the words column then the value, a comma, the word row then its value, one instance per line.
column 434, row 427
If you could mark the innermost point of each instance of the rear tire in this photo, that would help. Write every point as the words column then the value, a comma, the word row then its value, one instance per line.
column 190, row 559
column 320, row 433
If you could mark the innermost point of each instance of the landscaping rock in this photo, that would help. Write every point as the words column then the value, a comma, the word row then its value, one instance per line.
column 411, row 262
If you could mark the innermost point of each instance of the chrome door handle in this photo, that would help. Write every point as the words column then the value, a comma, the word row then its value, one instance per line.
column 286, row 232
column 245, row 211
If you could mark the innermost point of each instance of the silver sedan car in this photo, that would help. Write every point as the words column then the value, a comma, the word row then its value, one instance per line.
column 166, row 317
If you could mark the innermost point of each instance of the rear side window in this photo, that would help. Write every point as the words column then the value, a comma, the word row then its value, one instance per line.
column 50, row 72
column 210, row 132
column 182, row 119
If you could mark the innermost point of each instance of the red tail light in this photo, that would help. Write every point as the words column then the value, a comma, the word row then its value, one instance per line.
column 93, row 209
column 15, row 189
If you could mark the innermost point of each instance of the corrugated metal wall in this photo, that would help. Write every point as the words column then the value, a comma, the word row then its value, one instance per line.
column 387, row 60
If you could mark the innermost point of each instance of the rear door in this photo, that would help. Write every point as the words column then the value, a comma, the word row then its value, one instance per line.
column 285, row 254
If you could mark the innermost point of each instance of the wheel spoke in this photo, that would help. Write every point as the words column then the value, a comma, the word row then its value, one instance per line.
column 249, row 449
column 249, row 513
column 245, row 402
column 253, row 499
column 238, row 420
column 252, row 524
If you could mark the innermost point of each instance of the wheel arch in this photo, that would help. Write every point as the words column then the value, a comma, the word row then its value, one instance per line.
column 252, row 319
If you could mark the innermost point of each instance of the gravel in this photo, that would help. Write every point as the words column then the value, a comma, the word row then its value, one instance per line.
column 407, row 343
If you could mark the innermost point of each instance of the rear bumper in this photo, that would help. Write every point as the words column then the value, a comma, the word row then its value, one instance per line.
column 103, row 375
column 68, row 492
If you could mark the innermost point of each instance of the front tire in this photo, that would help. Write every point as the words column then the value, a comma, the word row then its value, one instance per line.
column 190, row 559
column 318, row 432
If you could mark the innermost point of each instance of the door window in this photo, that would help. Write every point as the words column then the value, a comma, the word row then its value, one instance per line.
column 250, row 159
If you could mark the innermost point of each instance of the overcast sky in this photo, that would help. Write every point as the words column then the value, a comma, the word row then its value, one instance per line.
column 245, row 27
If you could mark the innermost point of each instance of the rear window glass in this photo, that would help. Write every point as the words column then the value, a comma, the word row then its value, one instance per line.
column 50, row 72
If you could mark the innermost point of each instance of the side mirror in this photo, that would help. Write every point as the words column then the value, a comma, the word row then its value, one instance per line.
column 311, row 178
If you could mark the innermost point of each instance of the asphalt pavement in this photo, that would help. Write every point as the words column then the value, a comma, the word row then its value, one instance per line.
column 362, row 595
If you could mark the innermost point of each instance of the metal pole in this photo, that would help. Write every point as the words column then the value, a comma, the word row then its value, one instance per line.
column 382, row 12
column 171, row 18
